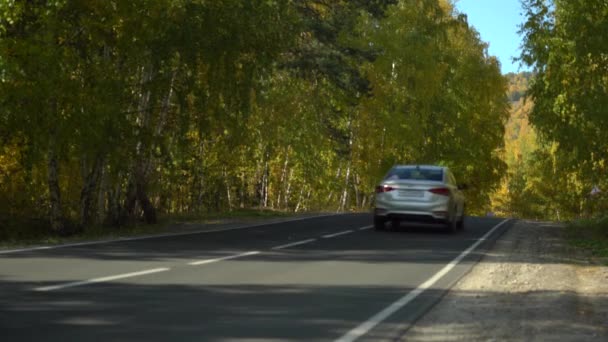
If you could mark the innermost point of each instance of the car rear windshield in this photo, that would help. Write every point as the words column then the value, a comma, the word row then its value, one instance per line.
column 415, row 174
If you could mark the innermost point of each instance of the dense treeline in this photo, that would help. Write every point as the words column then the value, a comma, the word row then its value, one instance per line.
column 112, row 111
column 518, row 85
column 565, row 164
column 517, row 196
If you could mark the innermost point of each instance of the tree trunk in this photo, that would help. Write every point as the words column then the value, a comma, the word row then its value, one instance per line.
column 128, row 208
column 330, row 196
column 356, row 186
column 89, row 187
column 137, row 188
column 146, row 204
column 141, row 148
column 242, row 192
column 345, row 190
column 288, row 190
column 102, row 189
column 55, row 215
column 381, row 147
column 299, row 200
column 307, row 200
column 227, row 184
column 344, row 198
column 114, row 210
column 265, row 184
column 283, row 176
column 137, row 193
column 199, row 178
column 200, row 195
column 331, row 192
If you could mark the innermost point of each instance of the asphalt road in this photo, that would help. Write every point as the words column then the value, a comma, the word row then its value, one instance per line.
column 319, row 279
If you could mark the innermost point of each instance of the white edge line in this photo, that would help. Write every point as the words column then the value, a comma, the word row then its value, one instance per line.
column 293, row 244
column 32, row 249
column 100, row 280
column 210, row 261
column 368, row 325
column 366, row 228
column 25, row 250
column 329, row 236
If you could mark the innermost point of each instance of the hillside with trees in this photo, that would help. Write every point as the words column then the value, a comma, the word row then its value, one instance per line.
column 565, row 44
column 117, row 111
column 556, row 138
column 516, row 196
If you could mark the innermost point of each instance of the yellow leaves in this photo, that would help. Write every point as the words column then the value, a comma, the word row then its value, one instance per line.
column 9, row 161
column 522, row 191
column 4, row 171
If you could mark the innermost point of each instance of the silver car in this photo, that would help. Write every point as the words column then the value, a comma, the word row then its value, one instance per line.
column 420, row 193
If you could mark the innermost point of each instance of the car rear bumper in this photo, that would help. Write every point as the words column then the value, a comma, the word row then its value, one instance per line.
column 411, row 217
column 429, row 213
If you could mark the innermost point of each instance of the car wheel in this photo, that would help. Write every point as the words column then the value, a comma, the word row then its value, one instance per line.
column 461, row 221
column 379, row 223
column 460, row 224
column 395, row 224
column 451, row 226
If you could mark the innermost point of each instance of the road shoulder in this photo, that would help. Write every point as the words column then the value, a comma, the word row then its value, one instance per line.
column 530, row 286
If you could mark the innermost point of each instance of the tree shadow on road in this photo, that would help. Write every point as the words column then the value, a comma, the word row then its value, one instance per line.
column 227, row 312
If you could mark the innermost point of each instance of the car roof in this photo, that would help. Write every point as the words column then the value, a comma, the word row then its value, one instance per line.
column 413, row 166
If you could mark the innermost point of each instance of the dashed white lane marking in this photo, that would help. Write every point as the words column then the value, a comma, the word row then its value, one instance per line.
column 157, row 236
column 378, row 318
column 329, row 236
column 163, row 269
column 293, row 244
column 101, row 280
column 210, row 261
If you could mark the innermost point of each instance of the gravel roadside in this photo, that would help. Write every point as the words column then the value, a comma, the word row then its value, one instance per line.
column 530, row 287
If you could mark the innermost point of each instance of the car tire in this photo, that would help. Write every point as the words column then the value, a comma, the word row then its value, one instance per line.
column 379, row 223
column 461, row 221
column 460, row 224
column 451, row 226
column 395, row 224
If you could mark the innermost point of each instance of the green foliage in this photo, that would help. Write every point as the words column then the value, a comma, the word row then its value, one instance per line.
column 590, row 235
column 565, row 42
column 207, row 106
column 436, row 85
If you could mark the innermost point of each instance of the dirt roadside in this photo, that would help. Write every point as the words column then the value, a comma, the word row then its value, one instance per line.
column 530, row 286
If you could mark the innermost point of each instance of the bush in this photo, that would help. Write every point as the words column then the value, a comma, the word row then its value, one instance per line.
column 590, row 235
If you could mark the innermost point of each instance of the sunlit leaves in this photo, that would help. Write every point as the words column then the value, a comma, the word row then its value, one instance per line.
column 566, row 43
column 210, row 105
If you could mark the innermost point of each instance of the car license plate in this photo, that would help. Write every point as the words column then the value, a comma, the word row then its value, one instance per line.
column 411, row 193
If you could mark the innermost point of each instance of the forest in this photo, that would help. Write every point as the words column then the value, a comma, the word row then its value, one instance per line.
column 114, row 112
column 117, row 111
column 556, row 139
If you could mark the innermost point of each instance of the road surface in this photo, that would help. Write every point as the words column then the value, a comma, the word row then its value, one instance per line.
column 329, row 278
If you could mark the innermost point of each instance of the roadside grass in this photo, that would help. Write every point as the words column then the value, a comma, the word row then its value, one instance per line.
column 35, row 232
column 590, row 235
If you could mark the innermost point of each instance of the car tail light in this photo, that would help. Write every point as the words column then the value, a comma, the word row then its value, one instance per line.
column 441, row 191
column 384, row 188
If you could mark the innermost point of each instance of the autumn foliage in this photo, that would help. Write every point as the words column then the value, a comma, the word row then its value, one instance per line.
column 115, row 111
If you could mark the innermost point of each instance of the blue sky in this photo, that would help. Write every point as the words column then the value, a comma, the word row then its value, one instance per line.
column 497, row 22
